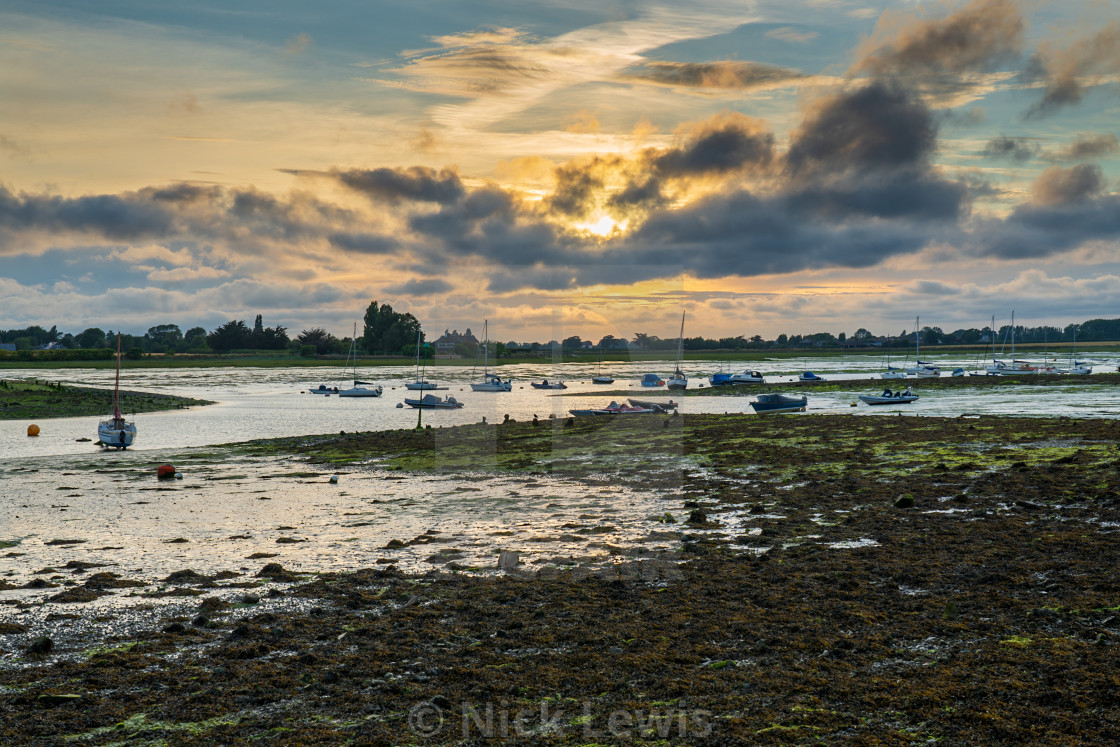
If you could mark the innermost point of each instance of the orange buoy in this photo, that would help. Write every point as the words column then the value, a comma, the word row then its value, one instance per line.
column 33, row 430
column 165, row 471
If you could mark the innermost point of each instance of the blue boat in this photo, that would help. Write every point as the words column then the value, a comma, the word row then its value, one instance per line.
column 652, row 380
column 809, row 376
column 773, row 403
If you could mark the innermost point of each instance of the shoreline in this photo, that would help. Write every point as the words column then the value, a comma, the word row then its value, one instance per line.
column 839, row 581
column 24, row 400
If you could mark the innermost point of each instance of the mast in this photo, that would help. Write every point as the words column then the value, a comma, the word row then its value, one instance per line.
column 1013, row 335
column 917, row 341
column 680, row 344
column 485, row 349
column 117, row 383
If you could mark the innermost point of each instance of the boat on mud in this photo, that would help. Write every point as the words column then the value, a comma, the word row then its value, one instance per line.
column 809, row 376
column 775, row 403
column 115, row 431
column 888, row 397
column 614, row 408
column 666, row 406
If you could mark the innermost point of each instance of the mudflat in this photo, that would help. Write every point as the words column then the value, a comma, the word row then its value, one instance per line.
column 21, row 400
column 840, row 580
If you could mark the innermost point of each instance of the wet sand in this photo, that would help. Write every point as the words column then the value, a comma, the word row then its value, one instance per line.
column 825, row 579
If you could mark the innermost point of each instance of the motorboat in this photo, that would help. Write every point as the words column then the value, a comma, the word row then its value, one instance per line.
column 958, row 372
column 730, row 379
column 614, row 408
column 434, row 402
column 546, row 385
column 809, row 376
column 670, row 405
column 775, row 403
column 115, row 431
column 651, row 380
column 324, row 390
column 490, row 382
column 900, row 397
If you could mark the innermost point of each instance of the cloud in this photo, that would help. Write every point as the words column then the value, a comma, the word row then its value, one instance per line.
column 1059, row 186
column 792, row 35
column 877, row 125
column 1014, row 148
column 978, row 36
column 298, row 44
column 180, row 275
column 394, row 186
column 722, row 75
column 420, row 287
column 1087, row 146
column 1063, row 71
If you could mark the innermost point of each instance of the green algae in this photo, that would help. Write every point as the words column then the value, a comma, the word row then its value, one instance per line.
column 139, row 724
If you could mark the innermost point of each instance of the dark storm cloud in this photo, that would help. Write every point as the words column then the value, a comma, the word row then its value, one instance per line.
column 723, row 74
column 1034, row 231
column 1063, row 70
column 394, row 186
column 880, row 125
column 1014, row 148
column 114, row 217
column 421, row 287
column 729, row 144
column 981, row 34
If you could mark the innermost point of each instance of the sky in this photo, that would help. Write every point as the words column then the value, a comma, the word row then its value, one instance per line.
column 570, row 167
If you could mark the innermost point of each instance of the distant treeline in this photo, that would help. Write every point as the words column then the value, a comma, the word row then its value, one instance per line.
column 386, row 332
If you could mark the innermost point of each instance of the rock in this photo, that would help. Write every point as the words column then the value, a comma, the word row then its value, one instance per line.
column 698, row 516
column 904, row 501
column 508, row 560
column 395, row 544
column 40, row 646
column 271, row 569
column 175, row 628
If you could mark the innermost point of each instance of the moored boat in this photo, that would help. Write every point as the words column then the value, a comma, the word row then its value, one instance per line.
column 669, row 405
column 775, row 403
column 547, row 385
column 490, row 382
column 651, row 380
column 809, row 376
column 901, row 397
column 434, row 402
column 115, row 431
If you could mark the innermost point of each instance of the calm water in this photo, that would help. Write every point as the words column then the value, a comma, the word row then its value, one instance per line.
column 226, row 508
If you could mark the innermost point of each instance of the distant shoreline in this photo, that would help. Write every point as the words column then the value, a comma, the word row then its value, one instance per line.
column 1057, row 351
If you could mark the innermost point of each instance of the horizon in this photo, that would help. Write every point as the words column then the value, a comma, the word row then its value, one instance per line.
column 571, row 168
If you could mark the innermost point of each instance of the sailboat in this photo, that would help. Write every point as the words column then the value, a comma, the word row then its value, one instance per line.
column 490, row 382
column 116, row 431
column 1076, row 366
column 1002, row 368
column 892, row 372
column 421, row 384
column 921, row 369
column 678, row 380
column 360, row 388
column 600, row 377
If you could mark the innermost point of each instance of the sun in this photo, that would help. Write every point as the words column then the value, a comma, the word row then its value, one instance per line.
column 602, row 226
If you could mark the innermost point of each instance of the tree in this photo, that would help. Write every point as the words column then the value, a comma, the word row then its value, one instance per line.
column 91, row 338
column 387, row 332
column 322, row 340
column 861, row 335
column 165, row 335
column 231, row 335
column 572, row 343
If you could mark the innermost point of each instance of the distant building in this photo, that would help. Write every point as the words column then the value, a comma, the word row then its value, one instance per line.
column 447, row 342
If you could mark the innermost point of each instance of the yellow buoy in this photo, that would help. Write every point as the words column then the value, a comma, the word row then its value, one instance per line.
column 33, row 430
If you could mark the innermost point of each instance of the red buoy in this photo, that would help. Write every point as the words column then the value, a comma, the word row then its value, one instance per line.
column 165, row 471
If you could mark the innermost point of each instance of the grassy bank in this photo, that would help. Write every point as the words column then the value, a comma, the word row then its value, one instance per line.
column 23, row 400
column 844, row 581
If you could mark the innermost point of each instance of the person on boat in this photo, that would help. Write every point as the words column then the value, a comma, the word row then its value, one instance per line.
column 888, row 393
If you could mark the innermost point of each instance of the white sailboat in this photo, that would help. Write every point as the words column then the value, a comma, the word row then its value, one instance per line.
column 360, row 388
column 921, row 369
column 1002, row 368
column 1075, row 366
column 678, row 380
column 892, row 372
column 421, row 384
column 490, row 382
column 115, row 431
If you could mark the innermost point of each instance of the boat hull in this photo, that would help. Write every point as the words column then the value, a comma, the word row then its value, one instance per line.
column 548, row 386
column 118, row 435
column 424, row 386
column 777, row 403
column 488, row 387
column 360, row 391
column 869, row 399
column 602, row 380
column 434, row 403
